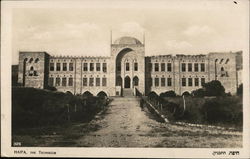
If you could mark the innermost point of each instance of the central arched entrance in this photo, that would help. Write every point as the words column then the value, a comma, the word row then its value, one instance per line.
column 127, row 82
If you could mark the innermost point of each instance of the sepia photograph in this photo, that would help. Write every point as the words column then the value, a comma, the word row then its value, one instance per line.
column 166, row 76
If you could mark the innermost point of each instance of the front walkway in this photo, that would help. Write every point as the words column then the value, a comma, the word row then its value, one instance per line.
column 126, row 125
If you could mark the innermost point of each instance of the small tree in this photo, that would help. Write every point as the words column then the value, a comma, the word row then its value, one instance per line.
column 214, row 88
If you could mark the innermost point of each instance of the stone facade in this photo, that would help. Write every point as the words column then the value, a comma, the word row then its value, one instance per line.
column 127, row 68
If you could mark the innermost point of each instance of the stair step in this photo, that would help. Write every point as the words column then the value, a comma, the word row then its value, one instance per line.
column 127, row 92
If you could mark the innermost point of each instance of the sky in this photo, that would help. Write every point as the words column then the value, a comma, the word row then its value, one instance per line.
column 83, row 28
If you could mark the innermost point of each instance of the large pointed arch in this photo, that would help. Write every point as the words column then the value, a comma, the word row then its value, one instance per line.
column 87, row 94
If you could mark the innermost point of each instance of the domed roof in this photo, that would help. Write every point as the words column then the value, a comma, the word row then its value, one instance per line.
column 127, row 40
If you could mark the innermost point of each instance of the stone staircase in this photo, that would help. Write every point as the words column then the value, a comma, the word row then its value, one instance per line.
column 128, row 92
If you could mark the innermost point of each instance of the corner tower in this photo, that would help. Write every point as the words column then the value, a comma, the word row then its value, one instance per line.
column 128, row 64
column 33, row 69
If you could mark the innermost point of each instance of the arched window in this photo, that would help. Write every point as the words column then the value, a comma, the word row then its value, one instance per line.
column 127, row 66
column 227, row 61
column 222, row 69
column 31, row 60
column 31, row 68
column 136, row 81
column 37, row 59
column 221, row 61
column 35, row 73
column 135, row 66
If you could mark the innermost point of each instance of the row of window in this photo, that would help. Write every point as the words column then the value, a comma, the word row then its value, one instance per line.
column 31, row 60
column 163, row 69
column 69, row 81
column 90, row 81
column 190, row 67
column 127, row 66
column 61, row 67
column 189, row 81
column 226, row 61
column 185, row 82
column 163, row 82
column 92, row 67
column 61, row 81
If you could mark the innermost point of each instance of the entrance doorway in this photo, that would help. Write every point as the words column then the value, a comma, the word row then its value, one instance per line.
column 127, row 82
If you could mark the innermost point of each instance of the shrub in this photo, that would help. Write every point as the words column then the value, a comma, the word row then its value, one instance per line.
column 51, row 88
column 35, row 107
column 223, row 110
column 199, row 92
column 186, row 94
column 168, row 94
column 240, row 90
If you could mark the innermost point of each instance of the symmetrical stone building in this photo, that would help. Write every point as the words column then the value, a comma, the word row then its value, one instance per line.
column 127, row 70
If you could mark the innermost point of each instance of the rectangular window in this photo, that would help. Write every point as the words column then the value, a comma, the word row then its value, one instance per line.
column 70, row 81
column 202, row 81
column 58, row 67
column 51, row 66
column 85, row 82
column 136, row 66
column 97, row 82
column 190, row 82
column 71, row 67
column 183, row 81
column 127, row 66
column 169, row 67
column 85, row 66
column 202, row 67
column 58, row 81
column 91, row 66
column 189, row 67
column 162, row 67
column 169, row 81
column 98, row 67
column 104, row 81
column 183, row 67
column 196, row 67
column 64, row 66
column 156, row 67
column 163, row 82
column 104, row 67
column 91, row 82
column 196, row 81
column 51, row 81
column 150, row 67
column 64, row 81
column 156, row 82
